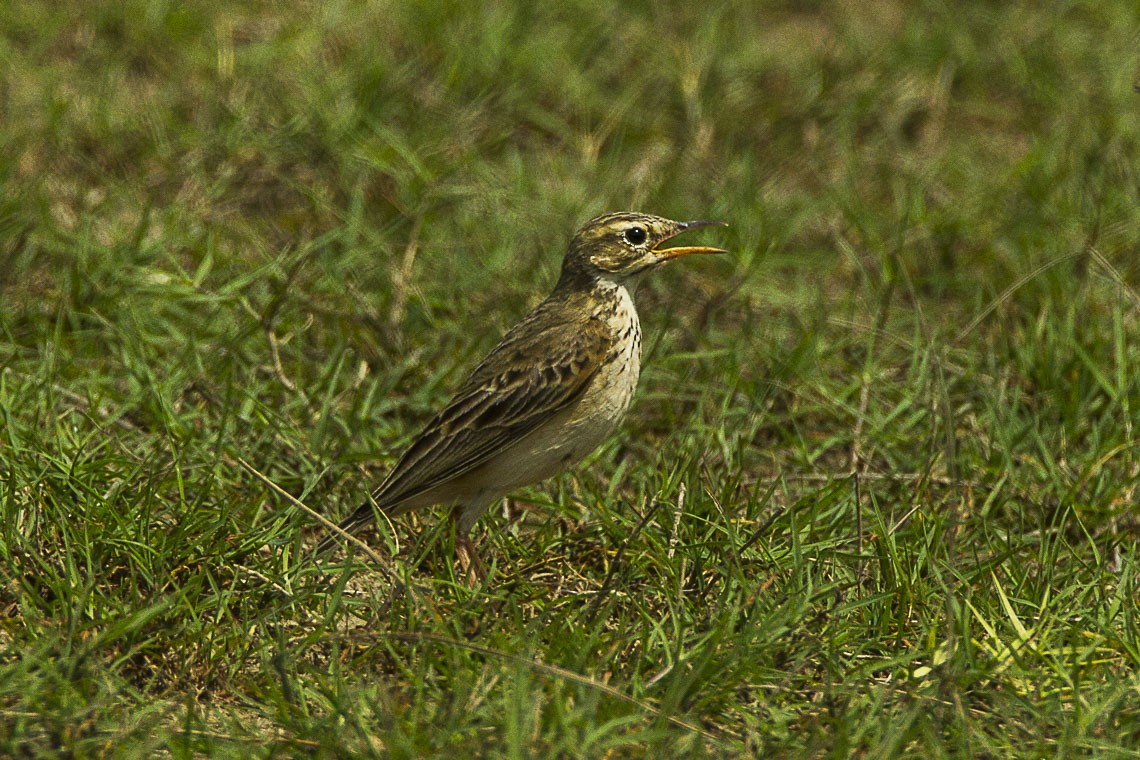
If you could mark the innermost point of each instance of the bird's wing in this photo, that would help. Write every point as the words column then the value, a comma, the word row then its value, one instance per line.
column 523, row 382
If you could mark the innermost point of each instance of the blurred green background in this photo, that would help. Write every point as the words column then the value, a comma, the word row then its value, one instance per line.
column 877, row 492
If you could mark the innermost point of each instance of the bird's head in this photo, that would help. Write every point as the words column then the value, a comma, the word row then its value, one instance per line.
column 618, row 246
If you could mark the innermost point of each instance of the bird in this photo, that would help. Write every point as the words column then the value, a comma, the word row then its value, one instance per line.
column 550, row 392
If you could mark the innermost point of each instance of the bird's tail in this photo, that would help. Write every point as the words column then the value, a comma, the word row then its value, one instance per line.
column 360, row 518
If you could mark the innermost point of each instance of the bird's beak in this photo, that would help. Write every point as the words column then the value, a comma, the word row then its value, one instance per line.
column 664, row 254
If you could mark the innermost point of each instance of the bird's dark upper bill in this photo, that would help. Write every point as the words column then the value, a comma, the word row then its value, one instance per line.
column 685, row 250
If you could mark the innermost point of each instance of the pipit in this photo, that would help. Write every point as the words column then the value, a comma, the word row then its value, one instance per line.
column 547, row 395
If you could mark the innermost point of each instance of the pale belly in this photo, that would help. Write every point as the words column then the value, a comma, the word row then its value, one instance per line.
column 572, row 434
column 567, row 437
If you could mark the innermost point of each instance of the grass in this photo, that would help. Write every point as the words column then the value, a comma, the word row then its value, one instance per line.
column 877, row 492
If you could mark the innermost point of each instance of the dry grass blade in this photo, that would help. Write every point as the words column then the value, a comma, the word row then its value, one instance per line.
column 1017, row 285
column 327, row 523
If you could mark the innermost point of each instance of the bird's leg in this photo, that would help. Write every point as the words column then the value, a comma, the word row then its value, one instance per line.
column 463, row 516
column 471, row 567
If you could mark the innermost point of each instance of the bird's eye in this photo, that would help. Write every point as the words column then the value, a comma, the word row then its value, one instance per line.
column 636, row 235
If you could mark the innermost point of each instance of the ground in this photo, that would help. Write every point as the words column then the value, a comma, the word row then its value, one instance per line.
column 876, row 495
